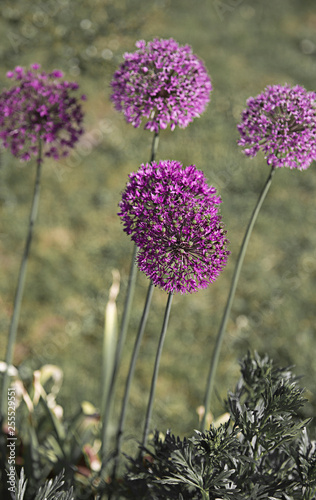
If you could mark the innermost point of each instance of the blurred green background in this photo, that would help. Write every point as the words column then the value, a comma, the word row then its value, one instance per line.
column 79, row 240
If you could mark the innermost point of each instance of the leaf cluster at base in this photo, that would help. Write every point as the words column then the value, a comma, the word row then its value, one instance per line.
column 262, row 451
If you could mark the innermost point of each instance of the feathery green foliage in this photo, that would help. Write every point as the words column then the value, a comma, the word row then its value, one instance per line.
column 262, row 451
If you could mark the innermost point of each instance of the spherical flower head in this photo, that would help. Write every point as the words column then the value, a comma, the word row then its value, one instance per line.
column 172, row 216
column 39, row 107
column 163, row 82
column 282, row 123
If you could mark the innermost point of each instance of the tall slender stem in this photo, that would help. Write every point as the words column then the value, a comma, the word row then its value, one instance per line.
column 156, row 368
column 240, row 259
column 20, row 285
column 124, row 324
column 120, row 343
column 131, row 374
column 154, row 146
column 126, row 313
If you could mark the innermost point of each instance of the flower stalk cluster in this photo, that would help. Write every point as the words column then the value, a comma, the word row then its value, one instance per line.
column 163, row 82
column 38, row 117
column 39, row 107
column 281, row 122
column 172, row 215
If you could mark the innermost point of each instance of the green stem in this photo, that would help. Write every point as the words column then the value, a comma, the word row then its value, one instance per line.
column 156, row 368
column 240, row 259
column 154, row 146
column 107, row 406
column 124, row 326
column 205, row 495
column 131, row 374
column 20, row 285
column 126, row 314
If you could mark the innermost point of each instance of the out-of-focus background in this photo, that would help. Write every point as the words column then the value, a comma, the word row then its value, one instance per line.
column 79, row 240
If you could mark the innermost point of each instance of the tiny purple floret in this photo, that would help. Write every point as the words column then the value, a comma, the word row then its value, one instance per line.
column 171, row 214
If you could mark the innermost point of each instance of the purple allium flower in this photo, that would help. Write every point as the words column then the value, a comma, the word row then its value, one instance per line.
column 163, row 82
column 282, row 123
column 39, row 107
column 171, row 214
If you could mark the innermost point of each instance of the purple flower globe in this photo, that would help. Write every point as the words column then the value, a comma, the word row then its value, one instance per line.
column 281, row 122
column 162, row 82
column 39, row 107
column 172, row 216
